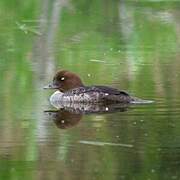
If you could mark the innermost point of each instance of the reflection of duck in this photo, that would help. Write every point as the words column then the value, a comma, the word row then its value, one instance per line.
column 70, row 114
column 64, row 119
column 71, row 89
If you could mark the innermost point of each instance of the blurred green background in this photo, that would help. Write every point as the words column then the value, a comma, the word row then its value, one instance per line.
column 131, row 45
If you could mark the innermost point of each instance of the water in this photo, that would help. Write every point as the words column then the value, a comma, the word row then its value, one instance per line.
column 132, row 46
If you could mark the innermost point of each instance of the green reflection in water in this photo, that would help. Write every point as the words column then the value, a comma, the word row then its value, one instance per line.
column 133, row 46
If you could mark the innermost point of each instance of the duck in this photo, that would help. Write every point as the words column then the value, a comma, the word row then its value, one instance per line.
column 70, row 89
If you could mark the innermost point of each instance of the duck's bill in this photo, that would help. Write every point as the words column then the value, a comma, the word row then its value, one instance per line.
column 51, row 86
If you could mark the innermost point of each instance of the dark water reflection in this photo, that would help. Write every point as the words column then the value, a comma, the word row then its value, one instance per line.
column 70, row 114
column 127, row 45
column 64, row 119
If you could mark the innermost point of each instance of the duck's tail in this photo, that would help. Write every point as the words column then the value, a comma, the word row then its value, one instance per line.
column 136, row 100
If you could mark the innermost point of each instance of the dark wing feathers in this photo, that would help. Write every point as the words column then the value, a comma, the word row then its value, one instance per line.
column 100, row 89
column 114, row 95
column 109, row 90
column 107, row 94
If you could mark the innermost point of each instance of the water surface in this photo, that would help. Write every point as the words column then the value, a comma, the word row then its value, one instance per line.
column 127, row 45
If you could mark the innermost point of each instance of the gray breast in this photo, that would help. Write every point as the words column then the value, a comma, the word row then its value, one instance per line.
column 86, row 97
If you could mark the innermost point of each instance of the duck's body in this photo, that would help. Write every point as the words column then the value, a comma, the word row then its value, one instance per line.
column 92, row 94
column 71, row 89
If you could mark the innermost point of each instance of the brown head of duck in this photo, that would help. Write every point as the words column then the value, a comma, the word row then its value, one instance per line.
column 64, row 81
